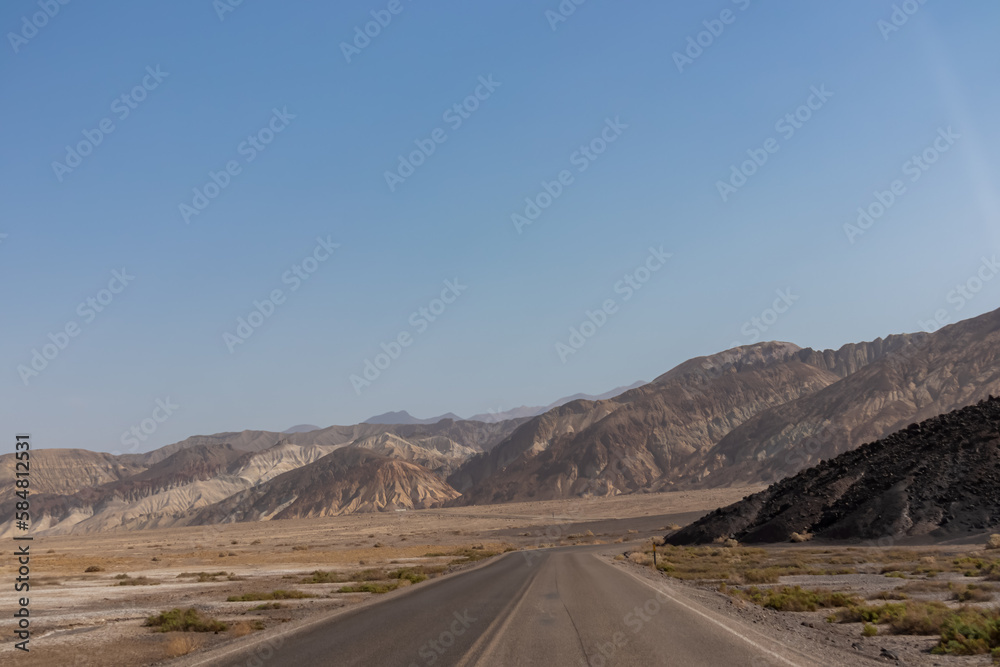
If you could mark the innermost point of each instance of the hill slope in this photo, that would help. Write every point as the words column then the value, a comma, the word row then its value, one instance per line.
column 641, row 439
column 349, row 480
column 939, row 478
column 928, row 375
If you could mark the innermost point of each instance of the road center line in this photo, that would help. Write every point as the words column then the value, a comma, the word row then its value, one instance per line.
column 491, row 635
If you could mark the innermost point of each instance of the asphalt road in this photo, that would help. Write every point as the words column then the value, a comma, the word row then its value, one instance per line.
column 563, row 607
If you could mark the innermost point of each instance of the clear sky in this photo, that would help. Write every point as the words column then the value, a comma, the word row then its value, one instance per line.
column 268, row 91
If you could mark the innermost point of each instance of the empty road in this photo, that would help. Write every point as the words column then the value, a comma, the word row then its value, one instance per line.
column 563, row 607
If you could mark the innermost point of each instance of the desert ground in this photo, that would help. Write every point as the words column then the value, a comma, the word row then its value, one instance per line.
column 100, row 599
column 91, row 595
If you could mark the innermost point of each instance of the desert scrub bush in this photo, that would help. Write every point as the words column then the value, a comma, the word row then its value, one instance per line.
column 413, row 574
column 766, row 576
column 920, row 618
column 865, row 613
column 991, row 572
column 735, row 563
column 325, row 577
column 243, row 628
column 202, row 577
column 94, row 568
column 894, row 594
column 922, row 586
column 640, row 558
column 266, row 606
column 474, row 554
column 970, row 632
column 184, row 620
column 973, row 593
column 179, row 645
column 904, row 618
column 869, row 630
column 273, row 595
column 369, row 587
column 795, row 598
column 137, row 581
column 801, row 537
column 993, row 542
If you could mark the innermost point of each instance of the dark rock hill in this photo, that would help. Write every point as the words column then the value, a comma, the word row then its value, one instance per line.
column 939, row 478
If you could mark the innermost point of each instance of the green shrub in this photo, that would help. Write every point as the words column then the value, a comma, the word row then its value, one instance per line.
column 973, row 593
column 783, row 598
column 766, row 576
column 903, row 618
column 273, row 595
column 970, row 632
column 184, row 620
column 375, row 588
column 410, row 574
column 324, row 577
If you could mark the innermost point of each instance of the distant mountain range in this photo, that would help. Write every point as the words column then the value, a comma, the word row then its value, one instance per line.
column 301, row 428
column 751, row 415
column 404, row 417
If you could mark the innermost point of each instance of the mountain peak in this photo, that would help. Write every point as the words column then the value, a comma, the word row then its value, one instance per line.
column 404, row 417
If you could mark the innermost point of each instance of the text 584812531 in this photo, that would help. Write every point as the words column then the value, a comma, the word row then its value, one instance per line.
column 22, row 518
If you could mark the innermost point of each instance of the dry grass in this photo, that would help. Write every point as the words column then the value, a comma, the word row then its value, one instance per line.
column 125, row 580
column 796, row 598
column 179, row 645
column 739, row 565
column 184, row 620
column 244, row 628
column 273, row 595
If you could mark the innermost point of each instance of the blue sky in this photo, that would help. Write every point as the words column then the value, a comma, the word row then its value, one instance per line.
column 343, row 125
